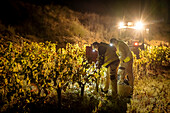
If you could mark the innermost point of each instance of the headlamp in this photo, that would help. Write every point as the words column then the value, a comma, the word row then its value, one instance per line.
column 139, row 25
column 111, row 44
column 93, row 50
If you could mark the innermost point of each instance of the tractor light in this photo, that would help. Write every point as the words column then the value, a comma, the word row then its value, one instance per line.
column 130, row 23
column 139, row 25
column 121, row 25
column 136, row 43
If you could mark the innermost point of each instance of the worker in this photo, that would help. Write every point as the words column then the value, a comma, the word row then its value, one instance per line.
column 108, row 58
column 126, row 62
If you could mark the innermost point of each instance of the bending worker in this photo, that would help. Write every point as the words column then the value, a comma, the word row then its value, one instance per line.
column 109, row 59
column 126, row 61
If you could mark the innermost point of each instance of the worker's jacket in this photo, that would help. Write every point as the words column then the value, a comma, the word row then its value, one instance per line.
column 107, row 54
column 123, row 52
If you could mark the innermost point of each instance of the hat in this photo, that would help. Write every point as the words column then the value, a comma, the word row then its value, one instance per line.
column 113, row 40
column 95, row 43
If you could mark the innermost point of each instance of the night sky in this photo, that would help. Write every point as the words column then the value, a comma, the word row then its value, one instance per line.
column 157, row 9
column 147, row 9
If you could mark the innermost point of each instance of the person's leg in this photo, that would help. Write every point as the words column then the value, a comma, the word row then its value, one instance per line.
column 121, row 74
column 107, row 81
column 113, row 77
column 129, row 72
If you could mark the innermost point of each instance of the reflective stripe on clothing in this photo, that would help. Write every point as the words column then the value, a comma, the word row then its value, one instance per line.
column 109, row 55
column 127, row 59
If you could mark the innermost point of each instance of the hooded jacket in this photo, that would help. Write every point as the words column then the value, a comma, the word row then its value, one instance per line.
column 107, row 54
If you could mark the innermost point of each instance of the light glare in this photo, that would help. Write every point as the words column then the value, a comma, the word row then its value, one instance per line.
column 139, row 25
column 121, row 24
column 136, row 44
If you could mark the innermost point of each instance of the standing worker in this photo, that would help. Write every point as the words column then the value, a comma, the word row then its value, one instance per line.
column 109, row 59
column 126, row 61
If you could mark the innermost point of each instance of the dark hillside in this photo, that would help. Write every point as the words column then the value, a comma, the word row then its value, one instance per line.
column 55, row 23
column 46, row 20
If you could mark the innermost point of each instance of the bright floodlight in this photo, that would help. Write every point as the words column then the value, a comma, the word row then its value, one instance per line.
column 121, row 24
column 139, row 25
column 129, row 23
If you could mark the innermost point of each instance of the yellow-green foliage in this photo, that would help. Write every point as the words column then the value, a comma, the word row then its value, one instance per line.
column 150, row 95
column 152, row 59
column 35, row 71
column 151, row 88
column 35, row 67
column 155, row 55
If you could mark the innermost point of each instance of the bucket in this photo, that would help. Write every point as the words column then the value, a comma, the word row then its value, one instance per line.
column 124, row 90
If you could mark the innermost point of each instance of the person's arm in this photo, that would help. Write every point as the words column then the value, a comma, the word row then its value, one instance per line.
column 102, row 51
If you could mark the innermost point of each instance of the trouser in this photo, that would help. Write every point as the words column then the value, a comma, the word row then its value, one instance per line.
column 126, row 69
column 111, row 77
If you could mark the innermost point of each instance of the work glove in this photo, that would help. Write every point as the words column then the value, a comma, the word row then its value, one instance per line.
column 98, row 65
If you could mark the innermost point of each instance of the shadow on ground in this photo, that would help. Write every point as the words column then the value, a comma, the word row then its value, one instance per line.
column 70, row 104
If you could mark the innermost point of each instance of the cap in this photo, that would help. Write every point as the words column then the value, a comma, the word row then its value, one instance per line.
column 113, row 40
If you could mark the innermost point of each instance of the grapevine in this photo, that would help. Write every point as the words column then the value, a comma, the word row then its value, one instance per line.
column 35, row 72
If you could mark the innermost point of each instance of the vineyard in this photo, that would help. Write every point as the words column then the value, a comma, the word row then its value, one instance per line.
column 38, row 77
